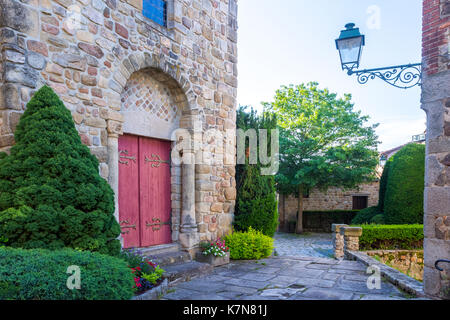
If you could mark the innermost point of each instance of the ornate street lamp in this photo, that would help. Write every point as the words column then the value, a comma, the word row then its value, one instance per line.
column 350, row 44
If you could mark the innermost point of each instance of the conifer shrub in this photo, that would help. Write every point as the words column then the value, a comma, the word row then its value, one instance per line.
column 383, row 184
column 39, row 274
column 51, row 193
column 366, row 215
column 403, row 202
column 256, row 202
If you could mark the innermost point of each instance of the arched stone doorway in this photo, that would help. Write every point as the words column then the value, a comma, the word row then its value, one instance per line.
column 155, row 198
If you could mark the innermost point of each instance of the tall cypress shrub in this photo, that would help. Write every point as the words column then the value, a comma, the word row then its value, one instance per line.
column 256, row 203
column 383, row 185
column 51, row 193
column 403, row 202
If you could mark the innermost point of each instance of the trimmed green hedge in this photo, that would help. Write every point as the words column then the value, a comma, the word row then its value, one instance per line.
column 251, row 245
column 391, row 237
column 41, row 274
column 403, row 203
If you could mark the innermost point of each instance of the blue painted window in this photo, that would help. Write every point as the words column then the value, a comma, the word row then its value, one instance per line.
column 155, row 10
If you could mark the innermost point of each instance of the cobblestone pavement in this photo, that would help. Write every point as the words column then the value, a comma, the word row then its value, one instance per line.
column 317, row 245
column 285, row 278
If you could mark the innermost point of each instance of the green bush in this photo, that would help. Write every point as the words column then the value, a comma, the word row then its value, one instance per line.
column 256, row 202
column 366, row 215
column 40, row 274
column 403, row 203
column 251, row 245
column 51, row 193
column 391, row 237
column 383, row 185
column 378, row 219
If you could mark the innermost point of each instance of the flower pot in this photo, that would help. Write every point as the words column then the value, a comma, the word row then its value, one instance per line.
column 212, row 260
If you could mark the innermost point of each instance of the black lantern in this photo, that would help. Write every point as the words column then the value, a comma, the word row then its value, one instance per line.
column 350, row 44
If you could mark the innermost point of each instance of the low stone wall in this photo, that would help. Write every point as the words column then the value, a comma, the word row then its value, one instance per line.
column 409, row 262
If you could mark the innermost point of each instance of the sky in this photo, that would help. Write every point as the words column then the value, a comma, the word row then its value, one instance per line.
column 292, row 41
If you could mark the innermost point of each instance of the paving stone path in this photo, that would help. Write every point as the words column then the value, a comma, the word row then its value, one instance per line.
column 285, row 278
column 302, row 269
column 317, row 245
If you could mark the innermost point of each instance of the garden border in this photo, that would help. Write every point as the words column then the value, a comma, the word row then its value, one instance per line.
column 154, row 293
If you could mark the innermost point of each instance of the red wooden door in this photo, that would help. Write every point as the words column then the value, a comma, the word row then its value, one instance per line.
column 129, row 190
column 144, row 191
column 155, row 207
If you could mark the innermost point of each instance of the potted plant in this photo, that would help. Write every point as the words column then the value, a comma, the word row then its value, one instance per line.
column 215, row 253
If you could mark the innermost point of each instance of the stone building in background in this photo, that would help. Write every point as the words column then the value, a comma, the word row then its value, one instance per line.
column 131, row 72
column 436, row 103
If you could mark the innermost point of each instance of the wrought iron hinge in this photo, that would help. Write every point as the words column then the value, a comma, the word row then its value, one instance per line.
column 133, row 226
column 157, row 224
column 156, row 161
column 125, row 156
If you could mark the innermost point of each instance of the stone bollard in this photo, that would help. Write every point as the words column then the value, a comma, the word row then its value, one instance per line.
column 338, row 240
column 351, row 239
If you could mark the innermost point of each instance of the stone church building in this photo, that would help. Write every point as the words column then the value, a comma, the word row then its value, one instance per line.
column 133, row 73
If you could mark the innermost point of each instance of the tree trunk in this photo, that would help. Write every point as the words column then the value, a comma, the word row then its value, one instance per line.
column 299, row 228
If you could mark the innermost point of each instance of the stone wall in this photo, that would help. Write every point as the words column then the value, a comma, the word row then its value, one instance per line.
column 436, row 103
column 332, row 199
column 409, row 262
column 95, row 53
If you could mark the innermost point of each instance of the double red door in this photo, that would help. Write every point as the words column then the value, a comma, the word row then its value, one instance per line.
column 144, row 191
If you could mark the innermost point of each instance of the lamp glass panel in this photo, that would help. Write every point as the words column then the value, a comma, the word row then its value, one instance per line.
column 350, row 49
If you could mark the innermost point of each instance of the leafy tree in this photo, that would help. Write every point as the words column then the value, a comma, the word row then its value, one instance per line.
column 51, row 194
column 403, row 202
column 256, row 203
column 323, row 142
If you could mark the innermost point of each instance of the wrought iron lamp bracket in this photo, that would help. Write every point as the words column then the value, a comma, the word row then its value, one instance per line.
column 402, row 76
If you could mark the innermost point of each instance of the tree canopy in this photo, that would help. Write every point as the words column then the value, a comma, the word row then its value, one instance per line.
column 324, row 142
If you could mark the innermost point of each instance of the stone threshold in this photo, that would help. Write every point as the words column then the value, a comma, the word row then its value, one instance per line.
column 394, row 276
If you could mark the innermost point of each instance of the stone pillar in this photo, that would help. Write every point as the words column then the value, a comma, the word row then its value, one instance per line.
column 338, row 240
column 114, row 129
column 436, row 103
column 351, row 239
column 189, row 237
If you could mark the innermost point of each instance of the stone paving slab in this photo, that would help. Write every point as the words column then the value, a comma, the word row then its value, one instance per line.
column 291, row 279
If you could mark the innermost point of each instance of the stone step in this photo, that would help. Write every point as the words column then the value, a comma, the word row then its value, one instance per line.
column 164, row 248
column 177, row 273
column 170, row 258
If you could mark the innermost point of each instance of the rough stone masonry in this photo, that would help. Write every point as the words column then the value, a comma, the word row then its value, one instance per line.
column 108, row 63
column 436, row 103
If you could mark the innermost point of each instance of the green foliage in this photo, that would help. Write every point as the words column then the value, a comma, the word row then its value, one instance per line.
column 378, row 219
column 256, row 203
column 41, row 274
column 391, row 237
column 323, row 141
column 250, row 245
column 154, row 276
column 366, row 215
column 51, row 194
column 404, row 193
column 383, row 184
